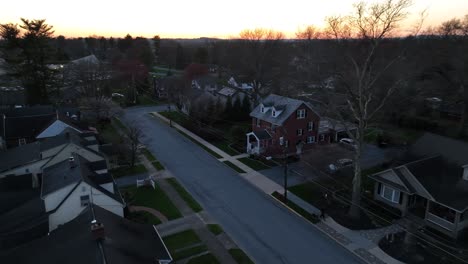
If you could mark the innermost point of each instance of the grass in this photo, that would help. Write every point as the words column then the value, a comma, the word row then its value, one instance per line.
column 191, row 202
column 143, row 217
column 224, row 146
column 215, row 229
column 254, row 164
column 157, row 165
column 120, row 125
column 185, row 253
column 311, row 217
column 204, row 259
column 181, row 240
column 109, row 134
column 216, row 155
column 153, row 198
column 178, row 117
column 127, row 170
column 233, row 166
column 144, row 99
column 240, row 256
column 148, row 155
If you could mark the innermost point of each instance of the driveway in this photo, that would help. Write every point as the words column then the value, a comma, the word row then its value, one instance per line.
column 268, row 232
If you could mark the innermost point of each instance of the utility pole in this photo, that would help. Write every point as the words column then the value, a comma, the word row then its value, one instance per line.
column 285, row 164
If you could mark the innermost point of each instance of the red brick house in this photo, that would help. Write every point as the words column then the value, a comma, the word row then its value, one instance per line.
column 285, row 124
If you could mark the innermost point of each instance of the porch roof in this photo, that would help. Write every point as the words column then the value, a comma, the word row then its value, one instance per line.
column 261, row 135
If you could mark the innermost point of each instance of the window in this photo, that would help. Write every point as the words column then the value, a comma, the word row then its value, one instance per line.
column 301, row 113
column 258, row 122
column 273, row 113
column 286, row 143
column 84, row 200
column 262, row 109
column 299, row 132
column 390, row 194
column 442, row 212
column 310, row 139
column 322, row 137
column 310, row 126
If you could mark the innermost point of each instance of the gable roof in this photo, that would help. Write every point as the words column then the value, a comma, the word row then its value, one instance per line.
column 289, row 106
column 124, row 242
column 393, row 178
column 66, row 173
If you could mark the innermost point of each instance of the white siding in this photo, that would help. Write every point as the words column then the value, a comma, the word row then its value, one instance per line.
column 108, row 186
column 55, row 129
column 71, row 208
column 52, row 200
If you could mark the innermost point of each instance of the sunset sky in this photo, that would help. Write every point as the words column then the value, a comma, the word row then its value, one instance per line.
column 202, row 18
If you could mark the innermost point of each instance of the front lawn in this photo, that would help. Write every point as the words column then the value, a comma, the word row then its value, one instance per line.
column 240, row 256
column 153, row 198
column 176, row 116
column 233, row 166
column 311, row 217
column 204, row 259
column 225, row 146
column 181, row 240
column 254, row 164
column 184, row 244
column 119, row 124
column 216, row 155
column 127, row 170
column 108, row 134
column 148, row 155
column 215, row 229
column 157, row 165
column 143, row 217
column 191, row 202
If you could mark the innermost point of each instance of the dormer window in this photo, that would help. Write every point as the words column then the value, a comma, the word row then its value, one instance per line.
column 273, row 113
column 262, row 109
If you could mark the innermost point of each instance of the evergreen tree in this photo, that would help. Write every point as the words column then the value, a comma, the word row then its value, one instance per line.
column 245, row 108
column 180, row 57
column 236, row 109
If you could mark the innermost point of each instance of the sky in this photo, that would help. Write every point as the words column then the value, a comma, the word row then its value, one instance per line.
column 198, row 18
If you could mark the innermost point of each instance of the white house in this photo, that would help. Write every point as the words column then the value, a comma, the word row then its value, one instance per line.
column 70, row 185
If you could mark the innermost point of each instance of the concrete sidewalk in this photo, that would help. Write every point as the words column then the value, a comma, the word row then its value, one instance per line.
column 357, row 242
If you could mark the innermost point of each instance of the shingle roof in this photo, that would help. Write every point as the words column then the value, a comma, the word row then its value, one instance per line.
column 261, row 135
column 125, row 242
column 19, row 156
column 443, row 180
column 288, row 105
column 429, row 145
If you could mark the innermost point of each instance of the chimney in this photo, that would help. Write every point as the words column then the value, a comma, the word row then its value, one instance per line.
column 71, row 161
column 465, row 172
column 97, row 230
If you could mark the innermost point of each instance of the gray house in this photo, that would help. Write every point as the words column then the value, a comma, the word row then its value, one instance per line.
column 434, row 186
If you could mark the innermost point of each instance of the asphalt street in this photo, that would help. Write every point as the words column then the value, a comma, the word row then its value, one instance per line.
column 268, row 232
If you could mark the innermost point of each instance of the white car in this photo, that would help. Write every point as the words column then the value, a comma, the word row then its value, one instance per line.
column 348, row 143
column 117, row 95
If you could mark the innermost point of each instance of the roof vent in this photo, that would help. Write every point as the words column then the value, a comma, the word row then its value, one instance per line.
column 71, row 161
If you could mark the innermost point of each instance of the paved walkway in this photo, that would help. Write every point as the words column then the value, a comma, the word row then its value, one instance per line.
column 152, row 211
column 360, row 243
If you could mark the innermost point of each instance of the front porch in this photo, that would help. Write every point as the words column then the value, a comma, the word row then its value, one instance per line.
column 258, row 142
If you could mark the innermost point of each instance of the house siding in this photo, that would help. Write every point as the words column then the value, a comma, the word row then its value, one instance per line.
column 403, row 206
column 33, row 168
column 71, row 208
column 289, row 131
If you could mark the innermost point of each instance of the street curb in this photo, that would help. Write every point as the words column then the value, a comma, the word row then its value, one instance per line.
column 316, row 227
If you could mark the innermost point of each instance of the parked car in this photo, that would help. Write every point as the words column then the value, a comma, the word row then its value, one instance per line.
column 341, row 163
column 349, row 143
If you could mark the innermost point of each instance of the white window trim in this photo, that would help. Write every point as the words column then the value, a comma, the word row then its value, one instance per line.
column 300, row 132
column 394, row 192
column 310, row 126
column 300, row 114
column 312, row 139
column 262, row 109
column 273, row 113
column 322, row 137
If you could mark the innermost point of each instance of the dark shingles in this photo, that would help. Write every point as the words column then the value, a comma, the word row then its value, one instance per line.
column 19, row 156
column 430, row 145
column 443, row 180
column 125, row 242
column 261, row 135
column 60, row 175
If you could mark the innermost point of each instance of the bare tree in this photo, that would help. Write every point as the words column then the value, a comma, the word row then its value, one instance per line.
column 134, row 136
column 259, row 46
column 368, row 26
